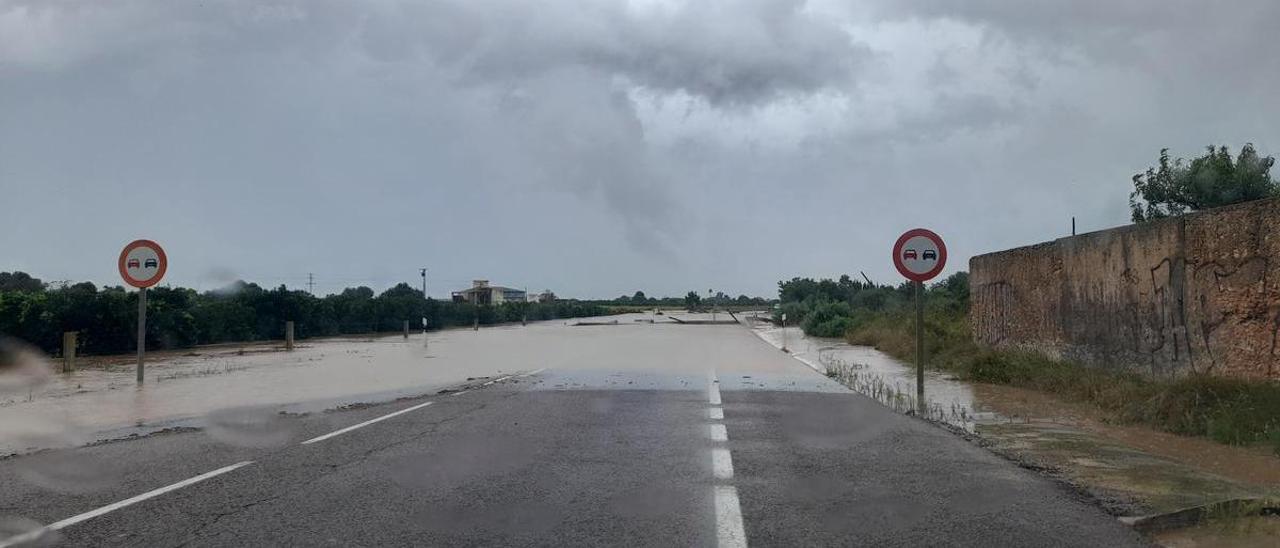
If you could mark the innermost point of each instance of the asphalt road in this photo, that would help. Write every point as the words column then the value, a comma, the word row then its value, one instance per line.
column 776, row 456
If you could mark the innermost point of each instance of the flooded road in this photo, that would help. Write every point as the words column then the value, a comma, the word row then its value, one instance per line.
column 183, row 389
column 627, row 433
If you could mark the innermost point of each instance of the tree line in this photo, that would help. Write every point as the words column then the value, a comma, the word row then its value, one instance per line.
column 179, row 317
column 692, row 300
column 832, row 308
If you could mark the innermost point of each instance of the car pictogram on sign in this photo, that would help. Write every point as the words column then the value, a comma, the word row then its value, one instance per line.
column 142, row 263
column 919, row 255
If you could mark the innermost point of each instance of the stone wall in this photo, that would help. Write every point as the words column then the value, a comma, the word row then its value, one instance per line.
column 1198, row 293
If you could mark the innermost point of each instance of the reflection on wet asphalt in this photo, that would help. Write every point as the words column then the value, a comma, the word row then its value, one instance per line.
column 618, row 440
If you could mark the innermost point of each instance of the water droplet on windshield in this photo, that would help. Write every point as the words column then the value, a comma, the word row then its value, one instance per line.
column 22, row 368
column 24, row 532
column 65, row 470
column 257, row 427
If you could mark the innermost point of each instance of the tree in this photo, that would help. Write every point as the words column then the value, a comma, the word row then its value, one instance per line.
column 692, row 300
column 639, row 298
column 19, row 281
column 1177, row 186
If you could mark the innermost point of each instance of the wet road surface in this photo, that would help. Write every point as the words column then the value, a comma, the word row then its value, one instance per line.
column 719, row 440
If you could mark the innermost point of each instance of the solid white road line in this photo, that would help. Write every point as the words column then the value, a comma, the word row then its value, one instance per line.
column 33, row 535
column 534, row 372
column 715, row 413
column 459, row 393
column 717, row 432
column 729, row 530
column 366, row 423
column 721, row 463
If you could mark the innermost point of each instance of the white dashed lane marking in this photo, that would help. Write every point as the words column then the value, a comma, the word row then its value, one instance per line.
column 717, row 432
column 730, row 532
column 33, row 536
column 366, row 423
column 721, row 464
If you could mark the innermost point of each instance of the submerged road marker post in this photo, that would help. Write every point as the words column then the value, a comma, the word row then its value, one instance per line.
column 142, row 264
column 784, row 331
column 288, row 336
column 68, row 351
column 919, row 255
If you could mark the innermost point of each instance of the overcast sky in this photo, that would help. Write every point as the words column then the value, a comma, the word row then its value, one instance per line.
column 597, row 148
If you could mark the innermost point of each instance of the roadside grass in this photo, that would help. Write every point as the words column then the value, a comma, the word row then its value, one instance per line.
column 1231, row 411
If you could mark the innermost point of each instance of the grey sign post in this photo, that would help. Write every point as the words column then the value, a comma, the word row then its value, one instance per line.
column 142, row 264
column 919, row 255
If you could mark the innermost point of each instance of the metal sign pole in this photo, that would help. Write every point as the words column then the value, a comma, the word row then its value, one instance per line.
column 920, row 407
column 142, row 332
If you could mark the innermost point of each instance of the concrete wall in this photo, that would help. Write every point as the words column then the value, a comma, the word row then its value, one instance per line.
column 1199, row 293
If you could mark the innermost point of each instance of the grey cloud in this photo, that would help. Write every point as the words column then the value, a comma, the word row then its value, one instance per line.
column 499, row 139
column 727, row 52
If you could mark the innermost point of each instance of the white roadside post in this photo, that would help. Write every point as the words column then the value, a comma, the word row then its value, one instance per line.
column 919, row 255
column 784, row 331
column 142, row 264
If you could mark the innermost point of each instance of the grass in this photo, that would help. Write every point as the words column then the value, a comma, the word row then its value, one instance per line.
column 1231, row 411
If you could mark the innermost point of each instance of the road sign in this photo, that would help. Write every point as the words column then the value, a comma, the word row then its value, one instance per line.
column 142, row 263
column 919, row 254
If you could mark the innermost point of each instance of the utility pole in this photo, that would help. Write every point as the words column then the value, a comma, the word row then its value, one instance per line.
column 1073, row 225
column 311, row 283
column 425, row 302
column 711, row 299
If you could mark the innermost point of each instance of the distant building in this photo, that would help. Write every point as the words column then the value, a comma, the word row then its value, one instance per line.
column 481, row 292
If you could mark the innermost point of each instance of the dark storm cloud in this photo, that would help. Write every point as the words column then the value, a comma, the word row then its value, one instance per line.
column 728, row 52
column 596, row 148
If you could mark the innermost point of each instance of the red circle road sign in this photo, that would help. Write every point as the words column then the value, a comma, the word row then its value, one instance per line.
column 142, row 263
column 919, row 254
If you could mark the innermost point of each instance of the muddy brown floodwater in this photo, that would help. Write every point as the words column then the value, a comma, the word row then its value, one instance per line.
column 1142, row 470
column 186, row 388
